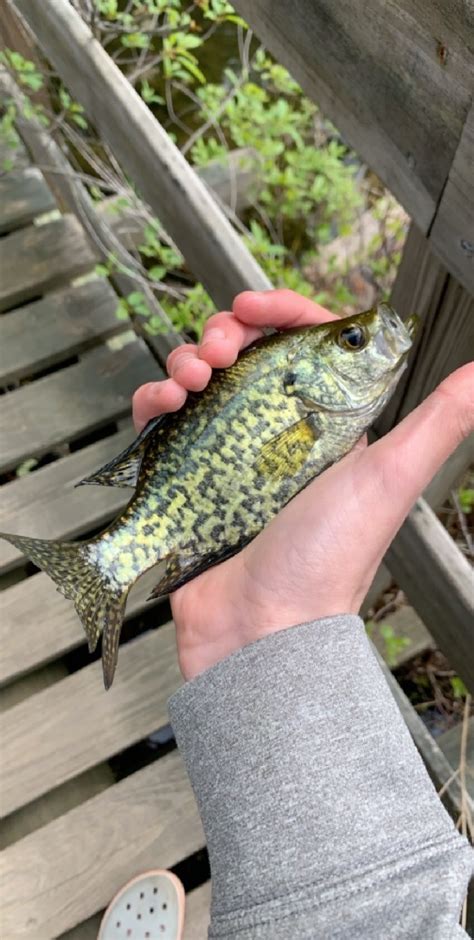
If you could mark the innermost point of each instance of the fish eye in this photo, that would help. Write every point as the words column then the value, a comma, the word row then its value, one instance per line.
column 352, row 337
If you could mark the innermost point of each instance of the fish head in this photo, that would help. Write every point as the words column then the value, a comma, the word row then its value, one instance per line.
column 353, row 365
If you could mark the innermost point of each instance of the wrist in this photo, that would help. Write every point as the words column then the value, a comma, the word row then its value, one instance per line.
column 211, row 625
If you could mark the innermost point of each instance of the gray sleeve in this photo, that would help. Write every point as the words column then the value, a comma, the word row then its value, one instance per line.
column 320, row 819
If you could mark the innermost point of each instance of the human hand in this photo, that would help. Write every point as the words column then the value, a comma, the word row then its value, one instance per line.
column 319, row 555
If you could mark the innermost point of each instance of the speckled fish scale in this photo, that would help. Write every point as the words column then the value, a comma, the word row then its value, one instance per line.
column 208, row 478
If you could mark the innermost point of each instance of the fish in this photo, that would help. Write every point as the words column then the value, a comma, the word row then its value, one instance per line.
column 208, row 478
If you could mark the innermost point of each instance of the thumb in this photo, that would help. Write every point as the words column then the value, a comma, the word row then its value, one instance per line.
column 402, row 464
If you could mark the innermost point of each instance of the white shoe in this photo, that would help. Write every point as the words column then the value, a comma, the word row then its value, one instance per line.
column 149, row 907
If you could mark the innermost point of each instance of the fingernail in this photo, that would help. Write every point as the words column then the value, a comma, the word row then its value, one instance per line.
column 211, row 335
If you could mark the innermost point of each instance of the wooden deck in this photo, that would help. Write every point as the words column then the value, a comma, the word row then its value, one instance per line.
column 71, row 834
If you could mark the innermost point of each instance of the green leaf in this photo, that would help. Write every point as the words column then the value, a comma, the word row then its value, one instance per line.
column 135, row 40
column 149, row 95
column 466, row 499
column 157, row 272
column 101, row 270
column 189, row 41
column 79, row 120
column 458, row 687
column 191, row 67
column 121, row 311
column 26, row 467
column 35, row 82
column 135, row 298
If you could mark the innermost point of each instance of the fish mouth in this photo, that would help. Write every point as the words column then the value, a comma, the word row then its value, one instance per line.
column 395, row 338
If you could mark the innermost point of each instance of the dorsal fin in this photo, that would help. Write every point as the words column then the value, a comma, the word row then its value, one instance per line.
column 123, row 470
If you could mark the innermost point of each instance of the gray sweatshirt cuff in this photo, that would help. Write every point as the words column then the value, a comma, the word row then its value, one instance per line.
column 307, row 780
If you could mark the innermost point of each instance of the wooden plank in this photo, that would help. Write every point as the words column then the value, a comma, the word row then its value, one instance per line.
column 62, row 324
column 198, row 905
column 39, row 258
column 67, row 404
column 71, row 868
column 23, row 196
column 452, row 234
column 355, row 56
column 87, row 930
column 80, row 725
column 45, row 503
column 182, row 202
column 445, row 338
column 438, row 581
column 55, row 803
column 37, row 624
column 450, row 744
column 63, row 798
column 451, row 473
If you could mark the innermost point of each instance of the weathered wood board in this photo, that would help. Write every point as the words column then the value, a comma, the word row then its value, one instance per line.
column 39, row 258
column 37, row 624
column 23, row 196
column 450, row 744
column 62, row 324
column 64, row 798
column 452, row 234
column 46, row 504
column 445, row 337
column 89, row 723
column 63, row 406
column 446, row 601
column 397, row 80
column 71, row 868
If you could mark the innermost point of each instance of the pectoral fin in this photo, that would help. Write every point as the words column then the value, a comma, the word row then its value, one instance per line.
column 124, row 469
column 285, row 454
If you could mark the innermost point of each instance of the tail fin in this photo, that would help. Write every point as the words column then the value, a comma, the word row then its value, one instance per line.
column 100, row 605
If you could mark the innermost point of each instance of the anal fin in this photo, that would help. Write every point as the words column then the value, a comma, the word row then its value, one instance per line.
column 181, row 567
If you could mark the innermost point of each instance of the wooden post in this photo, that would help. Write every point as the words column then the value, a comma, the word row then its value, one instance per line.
column 445, row 338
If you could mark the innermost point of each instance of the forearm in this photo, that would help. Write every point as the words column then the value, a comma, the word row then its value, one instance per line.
column 319, row 815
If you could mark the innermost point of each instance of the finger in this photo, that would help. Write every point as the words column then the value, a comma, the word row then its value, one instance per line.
column 402, row 464
column 279, row 308
column 223, row 338
column 186, row 368
column 156, row 398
